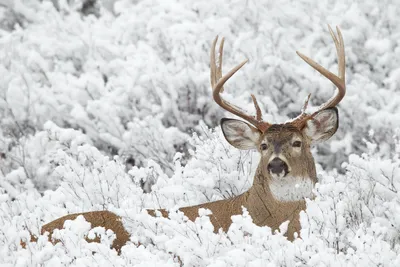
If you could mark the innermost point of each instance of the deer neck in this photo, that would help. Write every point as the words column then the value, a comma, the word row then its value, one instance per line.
column 261, row 201
column 272, row 202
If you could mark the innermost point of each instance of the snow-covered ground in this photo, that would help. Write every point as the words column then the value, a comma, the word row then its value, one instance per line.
column 84, row 90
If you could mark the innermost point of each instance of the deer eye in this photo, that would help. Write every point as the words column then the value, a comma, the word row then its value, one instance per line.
column 296, row 144
column 264, row 147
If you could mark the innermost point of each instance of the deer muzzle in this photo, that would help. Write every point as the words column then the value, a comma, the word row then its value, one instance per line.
column 278, row 167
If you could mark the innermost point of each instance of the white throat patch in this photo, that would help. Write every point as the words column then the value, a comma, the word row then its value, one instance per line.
column 291, row 188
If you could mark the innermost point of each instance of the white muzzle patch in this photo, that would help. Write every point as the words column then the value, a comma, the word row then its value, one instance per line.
column 290, row 188
column 276, row 176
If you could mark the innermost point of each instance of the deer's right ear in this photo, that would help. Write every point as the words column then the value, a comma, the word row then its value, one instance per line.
column 240, row 134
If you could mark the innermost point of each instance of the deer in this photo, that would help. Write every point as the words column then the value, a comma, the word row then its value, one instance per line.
column 286, row 174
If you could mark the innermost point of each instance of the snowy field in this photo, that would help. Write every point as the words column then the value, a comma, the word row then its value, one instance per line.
column 101, row 99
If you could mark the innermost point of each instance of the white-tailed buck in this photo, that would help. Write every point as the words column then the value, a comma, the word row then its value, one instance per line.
column 286, row 172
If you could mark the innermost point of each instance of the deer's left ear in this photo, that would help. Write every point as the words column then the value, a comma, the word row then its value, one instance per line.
column 322, row 126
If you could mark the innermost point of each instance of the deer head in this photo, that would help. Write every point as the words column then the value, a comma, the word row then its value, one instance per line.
column 286, row 159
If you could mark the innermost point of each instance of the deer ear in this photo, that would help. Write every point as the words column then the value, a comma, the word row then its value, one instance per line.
column 240, row 134
column 322, row 126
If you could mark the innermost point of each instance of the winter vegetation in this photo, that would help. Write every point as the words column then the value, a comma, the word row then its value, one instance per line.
column 106, row 105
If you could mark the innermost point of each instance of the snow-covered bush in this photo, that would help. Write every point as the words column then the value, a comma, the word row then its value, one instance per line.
column 87, row 86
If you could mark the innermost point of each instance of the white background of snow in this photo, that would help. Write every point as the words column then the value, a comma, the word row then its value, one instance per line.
column 135, row 80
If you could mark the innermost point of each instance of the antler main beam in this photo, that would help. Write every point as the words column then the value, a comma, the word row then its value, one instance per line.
column 217, row 84
column 338, row 80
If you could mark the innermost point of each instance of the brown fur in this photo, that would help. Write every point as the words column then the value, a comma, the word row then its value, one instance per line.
column 105, row 219
column 302, row 164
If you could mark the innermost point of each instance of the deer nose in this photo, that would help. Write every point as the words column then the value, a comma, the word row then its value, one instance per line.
column 277, row 166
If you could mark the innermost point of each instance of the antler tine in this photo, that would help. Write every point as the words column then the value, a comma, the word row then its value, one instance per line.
column 338, row 80
column 213, row 71
column 339, row 51
column 216, row 71
column 257, row 107
column 218, row 81
column 219, row 69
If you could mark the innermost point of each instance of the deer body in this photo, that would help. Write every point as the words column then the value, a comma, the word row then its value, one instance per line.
column 264, row 209
column 285, row 175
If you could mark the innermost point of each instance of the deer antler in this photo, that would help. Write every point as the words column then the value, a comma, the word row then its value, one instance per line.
column 217, row 84
column 339, row 81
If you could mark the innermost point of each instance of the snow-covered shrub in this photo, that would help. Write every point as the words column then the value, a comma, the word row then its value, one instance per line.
column 149, row 139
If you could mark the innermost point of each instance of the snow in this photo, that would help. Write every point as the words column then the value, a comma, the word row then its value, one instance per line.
column 84, row 90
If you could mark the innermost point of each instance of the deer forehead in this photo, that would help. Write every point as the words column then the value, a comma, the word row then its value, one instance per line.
column 281, row 133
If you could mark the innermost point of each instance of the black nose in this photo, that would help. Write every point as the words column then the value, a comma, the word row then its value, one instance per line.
column 277, row 166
